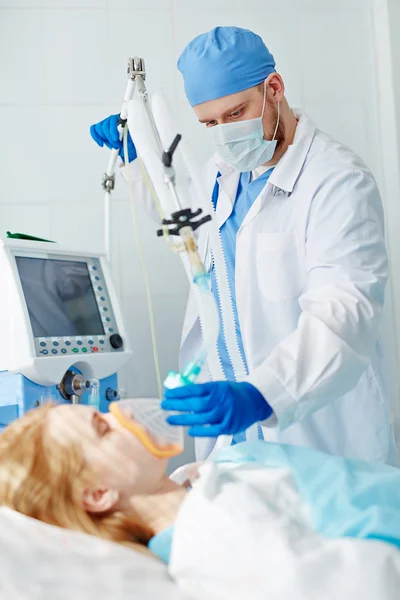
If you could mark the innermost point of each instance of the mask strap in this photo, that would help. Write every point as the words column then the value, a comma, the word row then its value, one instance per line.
column 277, row 121
column 279, row 111
column 265, row 97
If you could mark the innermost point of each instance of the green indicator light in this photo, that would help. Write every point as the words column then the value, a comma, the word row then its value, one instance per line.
column 75, row 350
column 84, row 349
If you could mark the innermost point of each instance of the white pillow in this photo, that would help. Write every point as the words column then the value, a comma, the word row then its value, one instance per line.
column 42, row 562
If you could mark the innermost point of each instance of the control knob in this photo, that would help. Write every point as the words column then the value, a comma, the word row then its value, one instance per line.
column 116, row 341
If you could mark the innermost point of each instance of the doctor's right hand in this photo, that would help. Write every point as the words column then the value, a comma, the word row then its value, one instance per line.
column 106, row 133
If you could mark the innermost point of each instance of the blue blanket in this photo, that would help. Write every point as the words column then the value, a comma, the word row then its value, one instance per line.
column 346, row 498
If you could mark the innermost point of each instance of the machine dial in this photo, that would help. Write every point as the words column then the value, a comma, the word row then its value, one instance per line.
column 116, row 341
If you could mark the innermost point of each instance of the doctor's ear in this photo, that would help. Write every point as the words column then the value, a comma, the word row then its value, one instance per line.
column 99, row 501
column 275, row 87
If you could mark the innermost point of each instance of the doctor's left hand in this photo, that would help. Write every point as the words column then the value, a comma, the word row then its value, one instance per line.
column 216, row 408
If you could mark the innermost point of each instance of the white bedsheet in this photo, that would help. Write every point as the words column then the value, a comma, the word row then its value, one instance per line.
column 243, row 532
column 41, row 562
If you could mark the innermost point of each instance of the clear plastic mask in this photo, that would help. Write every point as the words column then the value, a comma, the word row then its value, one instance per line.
column 145, row 418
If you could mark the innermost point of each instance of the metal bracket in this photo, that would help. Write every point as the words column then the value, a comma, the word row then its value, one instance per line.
column 108, row 182
column 136, row 66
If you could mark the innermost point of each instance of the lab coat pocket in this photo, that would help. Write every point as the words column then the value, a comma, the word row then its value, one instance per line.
column 279, row 269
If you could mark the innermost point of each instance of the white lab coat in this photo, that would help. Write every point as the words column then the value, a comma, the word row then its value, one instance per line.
column 311, row 269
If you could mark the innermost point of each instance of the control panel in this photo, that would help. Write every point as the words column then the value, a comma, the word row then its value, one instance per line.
column 106, row 338
column 81, row 345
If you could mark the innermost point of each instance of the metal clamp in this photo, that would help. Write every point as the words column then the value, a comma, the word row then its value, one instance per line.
column 136, row 66
column 108, row 182
column 183, row 218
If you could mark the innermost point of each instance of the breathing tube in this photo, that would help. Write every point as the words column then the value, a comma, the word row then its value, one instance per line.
column 182, row 226
column 199, row 195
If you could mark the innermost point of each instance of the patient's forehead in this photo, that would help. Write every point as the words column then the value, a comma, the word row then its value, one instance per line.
column 68, row 421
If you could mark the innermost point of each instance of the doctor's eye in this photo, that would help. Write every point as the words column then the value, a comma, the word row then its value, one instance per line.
column 211, row 123
column 236, row 113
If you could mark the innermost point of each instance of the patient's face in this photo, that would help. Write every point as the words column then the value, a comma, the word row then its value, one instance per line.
column 116, row 456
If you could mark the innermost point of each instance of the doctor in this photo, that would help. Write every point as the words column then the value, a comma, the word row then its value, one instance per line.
column 302, row 228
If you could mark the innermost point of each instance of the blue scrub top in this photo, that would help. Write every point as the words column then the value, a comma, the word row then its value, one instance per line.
column 246, row 195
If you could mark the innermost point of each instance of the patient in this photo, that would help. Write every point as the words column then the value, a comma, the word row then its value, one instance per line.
column 70, row 466
column 76, row 468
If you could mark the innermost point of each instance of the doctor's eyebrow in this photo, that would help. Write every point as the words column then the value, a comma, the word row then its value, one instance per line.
column 226, row 113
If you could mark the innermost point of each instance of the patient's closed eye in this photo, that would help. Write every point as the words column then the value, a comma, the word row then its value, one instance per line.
column 100, row 425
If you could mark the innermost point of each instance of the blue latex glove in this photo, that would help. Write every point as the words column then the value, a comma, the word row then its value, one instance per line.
column 216, row 408
column 106, row 133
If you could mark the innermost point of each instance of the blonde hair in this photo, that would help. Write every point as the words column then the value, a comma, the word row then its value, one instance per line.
column 46, row 481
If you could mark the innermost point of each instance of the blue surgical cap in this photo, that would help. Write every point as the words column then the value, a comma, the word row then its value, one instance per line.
column 224, row 61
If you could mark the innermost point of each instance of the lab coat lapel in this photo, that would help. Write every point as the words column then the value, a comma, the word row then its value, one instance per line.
column 228, row 185
column 268, row 190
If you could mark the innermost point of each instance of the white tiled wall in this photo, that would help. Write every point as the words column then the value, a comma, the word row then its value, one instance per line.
column 62, row 68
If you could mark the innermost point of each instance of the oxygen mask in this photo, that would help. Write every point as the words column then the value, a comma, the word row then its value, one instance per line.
column 145, row 418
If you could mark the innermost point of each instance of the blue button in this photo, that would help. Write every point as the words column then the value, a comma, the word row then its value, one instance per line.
column 44, row 352
column 100, row 289
column 64, row 350
column 108, row 319
column 110, row 329
column 67, row 343
column 97, row 278
column 56, row 344
column 101, row 341
column 94, row 268
column 43, row 344
column 102, row 298
column 105, row 308
column 90, row 342
column 54, row 351
column 79, row 342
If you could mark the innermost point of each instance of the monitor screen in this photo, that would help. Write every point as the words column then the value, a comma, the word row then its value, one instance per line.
column 59, row 297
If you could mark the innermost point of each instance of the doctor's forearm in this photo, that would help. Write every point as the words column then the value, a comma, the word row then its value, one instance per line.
column 314, row 365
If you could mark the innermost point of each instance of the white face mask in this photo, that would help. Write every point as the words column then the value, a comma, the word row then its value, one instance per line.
column 242, row 144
